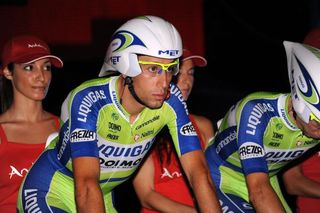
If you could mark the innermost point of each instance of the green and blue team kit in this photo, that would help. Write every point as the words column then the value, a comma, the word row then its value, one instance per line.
column 96, row 125
column 256, row 135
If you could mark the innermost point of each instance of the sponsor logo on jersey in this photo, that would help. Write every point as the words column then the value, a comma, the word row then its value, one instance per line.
column 112, row 137
column 286, row 119
column 311, row 142
column 136, row 137
column 122, row 157
column 279, row 126
column 81, row 135
column 250, row 150
column 116, row 102
column 65, row 140
column 114, row 127
column 147, row 133
column 31, row 200
column 188, row 130
column 87, row 102
column 232, row 136
column 277, row 135
column 274, row 144
column 277, row 156
column 174, row 90
column 255, row 116
column 148, row 122
column 246, row 205
column 224, row 207
column 115, row 116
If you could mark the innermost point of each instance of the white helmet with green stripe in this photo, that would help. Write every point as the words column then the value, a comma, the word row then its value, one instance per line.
column 304, row 75
column 145, row 35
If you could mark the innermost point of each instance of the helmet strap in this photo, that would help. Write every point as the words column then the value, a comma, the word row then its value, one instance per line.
column 128, row 81
column 294, row 114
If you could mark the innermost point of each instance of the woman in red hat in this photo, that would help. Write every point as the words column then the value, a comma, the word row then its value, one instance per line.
column 160, row 183
column 25, row 71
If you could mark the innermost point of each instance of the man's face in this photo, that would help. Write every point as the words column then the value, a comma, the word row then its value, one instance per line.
column 311, row 129
column 152, row 84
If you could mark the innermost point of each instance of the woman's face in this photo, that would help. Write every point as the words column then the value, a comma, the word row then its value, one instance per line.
column 185, row 78
column 31, row 80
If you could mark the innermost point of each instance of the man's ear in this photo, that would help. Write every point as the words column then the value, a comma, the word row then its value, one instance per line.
column 7, row 73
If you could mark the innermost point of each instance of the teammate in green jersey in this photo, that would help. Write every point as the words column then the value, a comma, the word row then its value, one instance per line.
column 262, row 133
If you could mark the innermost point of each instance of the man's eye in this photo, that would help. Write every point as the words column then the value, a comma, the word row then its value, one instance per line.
column 171, row 69
column 153, row 68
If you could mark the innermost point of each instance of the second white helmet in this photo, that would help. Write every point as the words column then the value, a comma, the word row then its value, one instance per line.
column 304, row 76
column 145, row 35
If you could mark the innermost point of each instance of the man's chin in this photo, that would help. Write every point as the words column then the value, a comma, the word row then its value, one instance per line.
column 155, row 105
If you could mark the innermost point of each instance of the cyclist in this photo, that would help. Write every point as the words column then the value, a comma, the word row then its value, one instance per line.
column 110, row 125
column 262, row 133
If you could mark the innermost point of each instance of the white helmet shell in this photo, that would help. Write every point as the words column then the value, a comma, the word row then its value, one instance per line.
column 145, row 35
column 304, row 76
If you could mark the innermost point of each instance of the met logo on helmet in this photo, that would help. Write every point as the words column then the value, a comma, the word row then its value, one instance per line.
column 114, row 59
column 308, row 90
column 168, row 52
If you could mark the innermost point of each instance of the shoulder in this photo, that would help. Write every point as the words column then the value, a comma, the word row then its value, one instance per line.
column 4, row 118
column 261, row 100
column 205, row 127
column 261, row 96
column 91, row 90
column 202, row 120
column 91, row 84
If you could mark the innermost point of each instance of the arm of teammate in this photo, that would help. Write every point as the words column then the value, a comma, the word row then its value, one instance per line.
column 261, row 194
column 197, row 172
column 144, row 186
column 205, row 127
column 88, row 193
column 297, row 183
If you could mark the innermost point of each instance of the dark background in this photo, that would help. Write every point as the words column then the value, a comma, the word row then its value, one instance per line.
column 242, row 41
column 244, row 48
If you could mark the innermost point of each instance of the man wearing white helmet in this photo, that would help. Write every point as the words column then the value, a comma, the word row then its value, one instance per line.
column 303, row 179
column 264, row 132
column 110, row 125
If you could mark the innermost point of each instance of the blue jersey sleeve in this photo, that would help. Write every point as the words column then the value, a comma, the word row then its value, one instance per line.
column 84, row 110
column 252, row 125
column 182, row 131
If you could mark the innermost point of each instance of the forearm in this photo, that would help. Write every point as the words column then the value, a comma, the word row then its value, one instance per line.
column 297, row 183
column 303, row 186
column 89, row 199
column 158, row 202
column 264, row 199
column 197, row 172
column 204, row 191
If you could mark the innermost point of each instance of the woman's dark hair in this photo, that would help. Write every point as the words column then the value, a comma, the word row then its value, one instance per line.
column 6, row 90
column 163, row 146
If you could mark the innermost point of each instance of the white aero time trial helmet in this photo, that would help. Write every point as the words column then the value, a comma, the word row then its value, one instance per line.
column 304, row 76
column 145, row 35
